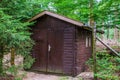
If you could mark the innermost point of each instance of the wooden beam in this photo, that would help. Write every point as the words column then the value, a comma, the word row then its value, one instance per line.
column 115, row 52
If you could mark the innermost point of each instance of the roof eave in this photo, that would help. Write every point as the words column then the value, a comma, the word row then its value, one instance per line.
column 37, row 16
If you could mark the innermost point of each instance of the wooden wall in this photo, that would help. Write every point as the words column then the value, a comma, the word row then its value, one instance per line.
column 69, row 51
column 83, row 52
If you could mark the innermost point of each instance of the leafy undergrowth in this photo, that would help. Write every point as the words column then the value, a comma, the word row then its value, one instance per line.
column 108, row 67
column 64, row 78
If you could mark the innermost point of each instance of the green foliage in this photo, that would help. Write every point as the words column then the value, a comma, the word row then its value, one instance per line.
column 107, row 66
column 13, row 70
column 75, row 9
column 117, row 60
column 20, row 9
column 14, row 34
column 28, row 62
column 64, row 78
column 14, row 29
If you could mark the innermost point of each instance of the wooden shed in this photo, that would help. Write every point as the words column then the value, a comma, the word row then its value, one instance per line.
column 62, row 45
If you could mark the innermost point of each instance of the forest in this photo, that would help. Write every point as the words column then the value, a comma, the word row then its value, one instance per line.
column 102, row 14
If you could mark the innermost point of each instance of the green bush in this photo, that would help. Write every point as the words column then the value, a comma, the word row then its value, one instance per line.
column 107, row 66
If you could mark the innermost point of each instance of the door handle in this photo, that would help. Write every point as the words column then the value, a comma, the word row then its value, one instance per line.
column 49, row 48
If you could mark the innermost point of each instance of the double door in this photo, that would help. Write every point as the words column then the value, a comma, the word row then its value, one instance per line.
column 48, row 50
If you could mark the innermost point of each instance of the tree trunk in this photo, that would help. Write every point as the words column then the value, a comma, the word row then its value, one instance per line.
column 12, row 56
column 1, row 60
column 102, row 35
column 108, row 33
column 115, row 34
column 118, row 35
column 92, row 24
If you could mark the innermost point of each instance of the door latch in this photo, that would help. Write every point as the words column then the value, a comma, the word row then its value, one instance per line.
column 49, row 47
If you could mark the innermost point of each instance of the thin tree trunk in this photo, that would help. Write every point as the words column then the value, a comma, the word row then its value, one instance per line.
column 116, row 13
column 1, row 60
column 92, row 24
column 118, row 35
column 115, row 34
column 12, row 56
column 102, row 35
column 108, row 33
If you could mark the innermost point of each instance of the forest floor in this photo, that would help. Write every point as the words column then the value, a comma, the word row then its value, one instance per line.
column 40, row 76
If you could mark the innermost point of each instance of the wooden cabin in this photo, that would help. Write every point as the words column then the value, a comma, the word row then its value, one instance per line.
column 62, row 45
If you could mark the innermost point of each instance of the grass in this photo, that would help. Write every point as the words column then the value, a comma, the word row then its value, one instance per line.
column 64, row 78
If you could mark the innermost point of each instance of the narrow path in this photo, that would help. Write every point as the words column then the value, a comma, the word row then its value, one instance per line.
column 39, row 76
column 36, row 76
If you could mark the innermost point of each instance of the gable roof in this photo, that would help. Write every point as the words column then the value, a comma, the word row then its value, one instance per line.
column 63, row 18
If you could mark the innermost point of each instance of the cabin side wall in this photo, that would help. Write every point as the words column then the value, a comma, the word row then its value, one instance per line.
column 84, row 49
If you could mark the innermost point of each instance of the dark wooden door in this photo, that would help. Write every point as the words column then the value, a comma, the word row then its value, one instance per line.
column 48, row 50
column 55, row 51
column 40, row 49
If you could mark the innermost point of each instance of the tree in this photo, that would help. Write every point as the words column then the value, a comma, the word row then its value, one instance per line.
column 14, row 34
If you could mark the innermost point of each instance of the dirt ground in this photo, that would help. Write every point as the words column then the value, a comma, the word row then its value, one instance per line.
column 41, row 76
column 36, row 76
